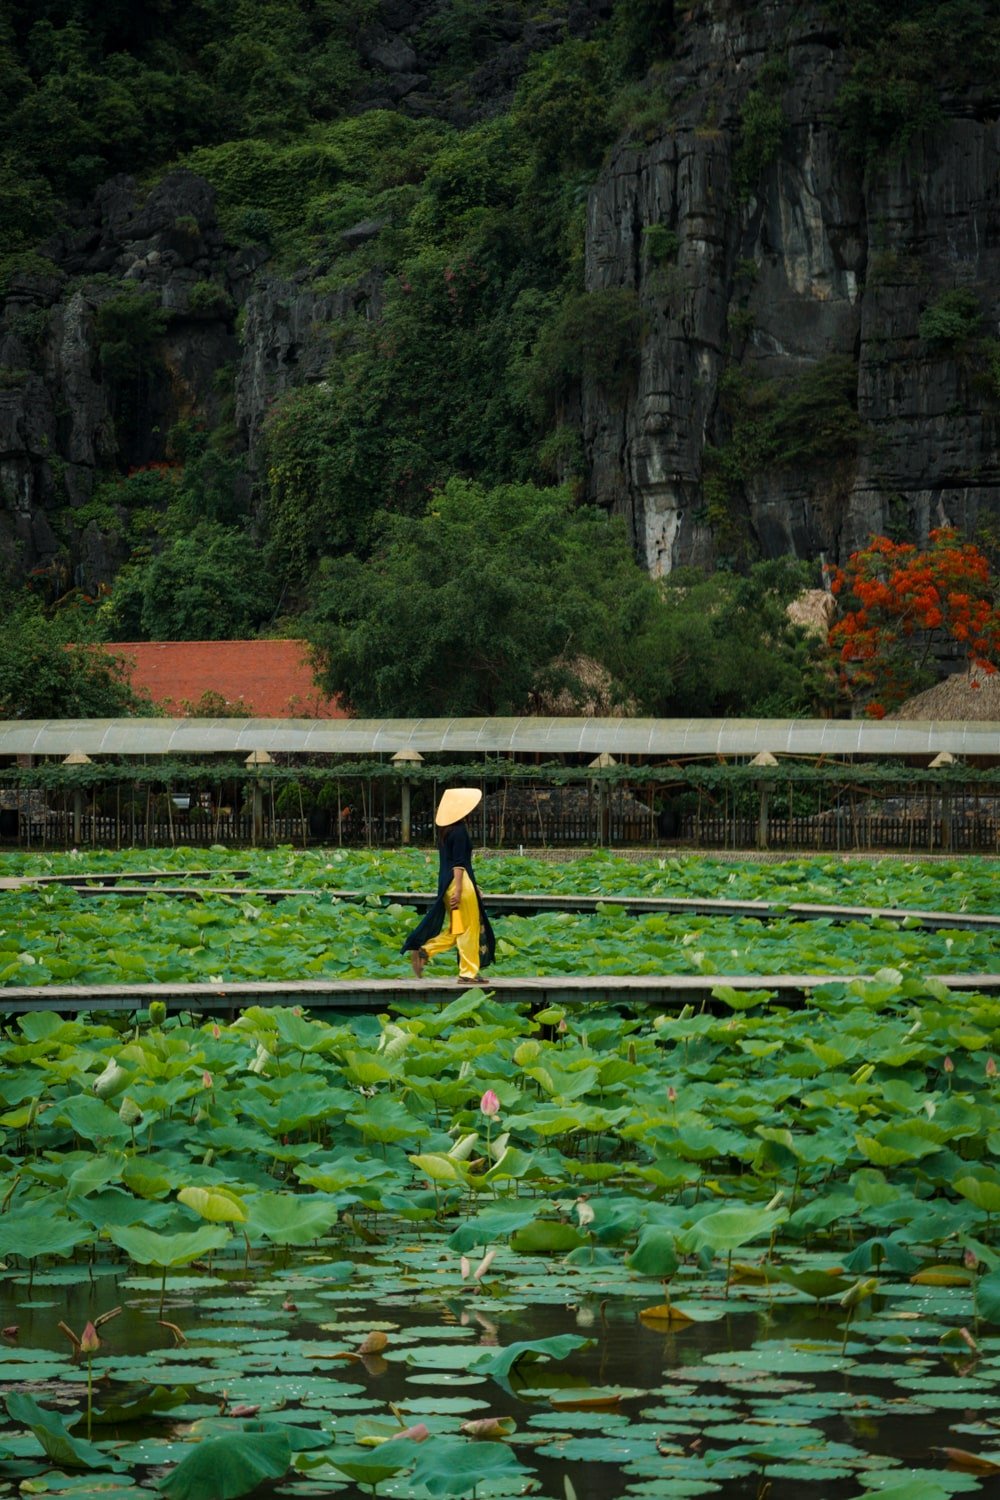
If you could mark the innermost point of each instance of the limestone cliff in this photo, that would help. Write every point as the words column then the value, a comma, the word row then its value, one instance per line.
column 817, row 257
column 763, row 267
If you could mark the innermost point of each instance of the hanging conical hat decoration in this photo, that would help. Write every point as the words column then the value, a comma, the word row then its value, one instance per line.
column 456, row 803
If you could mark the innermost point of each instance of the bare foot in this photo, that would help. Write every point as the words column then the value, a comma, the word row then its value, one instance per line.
column 418, row 961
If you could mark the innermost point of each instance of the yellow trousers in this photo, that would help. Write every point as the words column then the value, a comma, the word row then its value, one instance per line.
column 461, row 930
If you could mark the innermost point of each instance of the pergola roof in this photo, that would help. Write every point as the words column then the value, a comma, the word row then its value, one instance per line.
column 660, row 738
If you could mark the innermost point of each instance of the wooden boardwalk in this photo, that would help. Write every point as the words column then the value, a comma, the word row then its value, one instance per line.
column 669, row 991
column 506, row 904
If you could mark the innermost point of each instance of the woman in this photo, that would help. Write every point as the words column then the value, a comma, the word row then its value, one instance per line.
column 458, row 917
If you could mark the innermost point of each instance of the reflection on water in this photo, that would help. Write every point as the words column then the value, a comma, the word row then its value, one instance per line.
column 797, row 1415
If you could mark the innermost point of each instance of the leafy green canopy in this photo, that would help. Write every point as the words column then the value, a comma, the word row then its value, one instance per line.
column 906, row 54
column 93, row 88
column 481, row 602
column 493, row 596
column 42, row 676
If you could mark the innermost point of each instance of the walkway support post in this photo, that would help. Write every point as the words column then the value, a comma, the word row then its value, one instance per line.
column 765, row 760
column 75, row 758
column 404, row 758
column 258, row 758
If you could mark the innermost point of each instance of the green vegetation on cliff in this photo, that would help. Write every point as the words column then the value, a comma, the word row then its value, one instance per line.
column 455, row 230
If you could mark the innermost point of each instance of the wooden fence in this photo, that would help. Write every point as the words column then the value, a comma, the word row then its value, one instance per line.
column 906, row 821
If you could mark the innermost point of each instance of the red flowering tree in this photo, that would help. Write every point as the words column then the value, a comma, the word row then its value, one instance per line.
column 898, row 605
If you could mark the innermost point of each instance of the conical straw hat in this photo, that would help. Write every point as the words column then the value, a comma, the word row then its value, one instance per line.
column 456, row 803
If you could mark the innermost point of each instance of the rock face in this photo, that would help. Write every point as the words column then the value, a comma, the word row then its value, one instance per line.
column 62, row 414
column 816, row 259
column 751, row 275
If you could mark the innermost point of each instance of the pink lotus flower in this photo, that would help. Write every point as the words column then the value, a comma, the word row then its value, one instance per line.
column 489, row 1104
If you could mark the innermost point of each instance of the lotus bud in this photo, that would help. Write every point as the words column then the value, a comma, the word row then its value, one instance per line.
column 970, row 1260
column 991, row 1068
column 484, row 1265
column 672, row 1094
column 489, row 1104
column 858, row 1292
column 631, row 1053
column 418, row 1433
column 584, row 1213
column 261, row 1060
column 206, row 1080
column 129, row 1113
column 157, row 1012
column 111, row 1080
column 948, row 1065
column 466, row 1266
column 216, row 1030
column 90, row 1341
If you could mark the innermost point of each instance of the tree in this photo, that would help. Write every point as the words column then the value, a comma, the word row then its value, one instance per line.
column 44, row 677
column 208, row 585
column 723, row 645
column 477, row 604
column 900, row 606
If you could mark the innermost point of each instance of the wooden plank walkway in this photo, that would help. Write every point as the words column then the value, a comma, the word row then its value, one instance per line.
column 670, row 991
column 111, row 878
column 507, row 904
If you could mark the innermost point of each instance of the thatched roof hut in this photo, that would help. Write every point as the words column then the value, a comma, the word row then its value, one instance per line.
column 965, row 695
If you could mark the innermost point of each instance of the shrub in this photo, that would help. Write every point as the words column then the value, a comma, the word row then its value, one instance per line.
column 954, row 317
column 661, row 244
column 591, row 335
column 761, row 129
column 128, row 327
column 207, row 299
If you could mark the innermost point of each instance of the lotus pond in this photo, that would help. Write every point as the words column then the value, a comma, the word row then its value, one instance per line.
column 938, row 885
column 54, row 934
column 480, row 1251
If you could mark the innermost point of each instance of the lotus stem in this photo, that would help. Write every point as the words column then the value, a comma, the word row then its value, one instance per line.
column 90, row 1393
column 163, row 1291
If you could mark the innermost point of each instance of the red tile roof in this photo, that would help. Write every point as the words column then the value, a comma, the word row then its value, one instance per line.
column 273, row 679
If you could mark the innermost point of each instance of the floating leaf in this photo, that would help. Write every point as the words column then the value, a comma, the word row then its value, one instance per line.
column 452, row 1466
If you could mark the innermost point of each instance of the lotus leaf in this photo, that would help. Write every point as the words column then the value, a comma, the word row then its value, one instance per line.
column 729, row 1228
column 455, row 1466
column 224, row 1468
column 148, row 1248
column 59, row 1444
column 218, row 1204
column 285, row 1219
column 655, row 1254
column 504, row 1361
